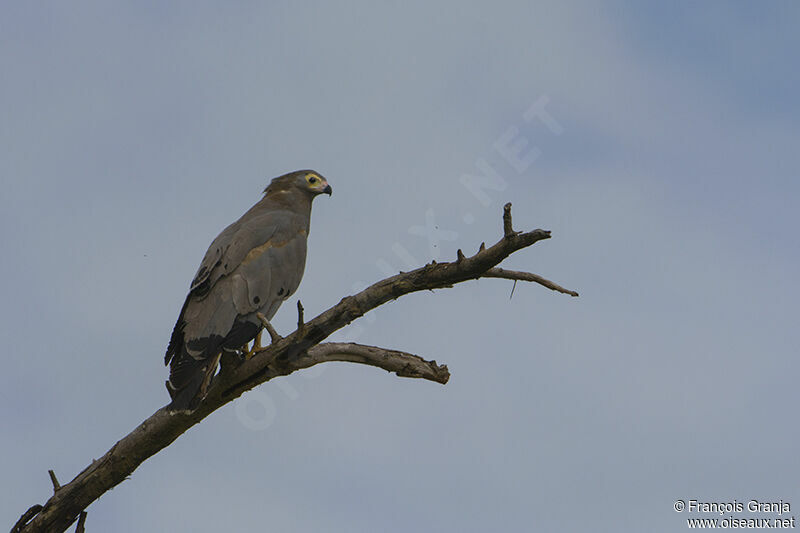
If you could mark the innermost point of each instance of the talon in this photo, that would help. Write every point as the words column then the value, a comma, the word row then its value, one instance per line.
column 256, row 346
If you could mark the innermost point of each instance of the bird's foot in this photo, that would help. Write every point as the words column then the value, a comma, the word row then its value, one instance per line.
column 255, row 348
column 272, row 333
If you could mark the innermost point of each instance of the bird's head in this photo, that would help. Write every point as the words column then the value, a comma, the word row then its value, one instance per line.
column 307, row 181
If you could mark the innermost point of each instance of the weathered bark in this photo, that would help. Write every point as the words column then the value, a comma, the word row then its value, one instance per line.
column 301, row 349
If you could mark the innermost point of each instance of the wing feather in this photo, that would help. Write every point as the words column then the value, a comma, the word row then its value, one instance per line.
column 231, row 247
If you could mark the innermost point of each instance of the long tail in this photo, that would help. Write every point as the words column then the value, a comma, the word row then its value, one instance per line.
column 193, row 361
column 189, row 379
column 190, row 367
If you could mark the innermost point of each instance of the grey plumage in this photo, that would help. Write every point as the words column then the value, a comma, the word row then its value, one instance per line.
column 252, row 267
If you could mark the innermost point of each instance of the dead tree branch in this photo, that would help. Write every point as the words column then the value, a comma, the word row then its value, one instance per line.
column 26, row 517
column 81, row 527
column 54, row 479
column 300, row 349
column 526, row 276
column 403, row 364
column 272, row 333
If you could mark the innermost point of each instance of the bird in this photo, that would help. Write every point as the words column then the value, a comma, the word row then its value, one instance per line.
column 249, row 270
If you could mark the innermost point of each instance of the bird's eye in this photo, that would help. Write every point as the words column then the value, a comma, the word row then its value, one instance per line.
column 312, row 179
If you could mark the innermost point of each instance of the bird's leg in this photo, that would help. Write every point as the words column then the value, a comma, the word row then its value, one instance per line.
column 272, row 333
column 256, row 346
column 257, row 341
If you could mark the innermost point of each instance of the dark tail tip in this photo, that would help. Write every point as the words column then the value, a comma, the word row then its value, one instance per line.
column 186, row 399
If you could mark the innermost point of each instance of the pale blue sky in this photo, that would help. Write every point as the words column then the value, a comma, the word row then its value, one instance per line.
column 132, row 133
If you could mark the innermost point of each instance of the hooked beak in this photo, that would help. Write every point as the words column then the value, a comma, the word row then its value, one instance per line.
column 327, row 190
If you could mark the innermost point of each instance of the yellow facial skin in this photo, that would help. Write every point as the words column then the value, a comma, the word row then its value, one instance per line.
column 316, row 182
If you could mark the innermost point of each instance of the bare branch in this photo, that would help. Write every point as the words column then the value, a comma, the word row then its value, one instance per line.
column 526, row 276
column 81, row 527
column 25, row 518
column 403, row 364
column 56, row 484
column 300, row 349
column 508, row 229
column 272, row 333
column 300, row 320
